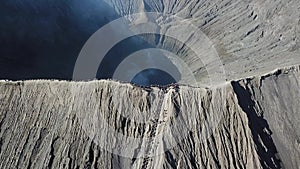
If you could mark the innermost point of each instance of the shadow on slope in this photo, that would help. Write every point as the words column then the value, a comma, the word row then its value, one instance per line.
column 259, row 128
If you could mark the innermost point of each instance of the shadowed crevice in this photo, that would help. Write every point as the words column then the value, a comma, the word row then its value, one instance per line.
column 259, row 127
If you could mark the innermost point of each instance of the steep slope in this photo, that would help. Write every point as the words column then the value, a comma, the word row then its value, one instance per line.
column 276, row 97
column 251, row 37
column 250, row 123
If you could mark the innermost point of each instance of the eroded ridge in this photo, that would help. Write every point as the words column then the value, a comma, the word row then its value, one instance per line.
column 41, row 126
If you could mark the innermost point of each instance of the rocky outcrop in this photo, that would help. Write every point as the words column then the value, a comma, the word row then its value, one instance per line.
column 250, row 123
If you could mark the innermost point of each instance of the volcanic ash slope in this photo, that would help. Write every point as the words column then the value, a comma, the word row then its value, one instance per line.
column 251, row 123
column 251, row 37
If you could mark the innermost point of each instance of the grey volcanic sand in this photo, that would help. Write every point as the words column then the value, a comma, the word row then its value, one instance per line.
column 42, row 122
column 54, row 124
column 41, row 40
